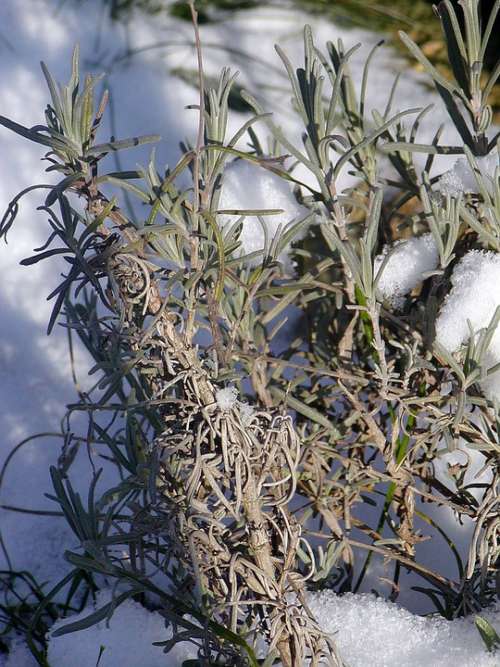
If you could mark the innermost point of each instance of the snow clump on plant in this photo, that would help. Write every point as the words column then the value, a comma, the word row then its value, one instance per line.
column 473, row 300
column 227, row 399
column 408, row 262
column 461, row 179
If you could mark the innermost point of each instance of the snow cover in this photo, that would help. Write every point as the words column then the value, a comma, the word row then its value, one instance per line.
column 127, row 640
column 247, row 186
column 474, row 298
column 461, row 179
column 409, row 260
column 451, row 184
column 368, row 631
column 476, row 473
column 372, row 632
column 19, row 656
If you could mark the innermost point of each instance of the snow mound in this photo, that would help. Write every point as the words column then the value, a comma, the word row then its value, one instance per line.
column 474, row 298
column 246, row 186
column 368, row 631
column 409, row 260
column 371, row 631
column 127, row 640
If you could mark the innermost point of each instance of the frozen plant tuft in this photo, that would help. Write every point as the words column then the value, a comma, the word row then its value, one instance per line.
column 406, row 267
column 242, row 509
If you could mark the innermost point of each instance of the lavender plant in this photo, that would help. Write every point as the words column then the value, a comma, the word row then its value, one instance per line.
column 245, row 470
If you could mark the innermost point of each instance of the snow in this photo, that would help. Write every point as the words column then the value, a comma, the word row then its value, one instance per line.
column 406, row 266
column 367, row 630
column 474, row 298
column 19, row 656
column 247, row 186
column 246, row 412
column 127, row 640
column 35, row 378
column 226, row 398
column 371, row 631
column 451, row 184
column 476, row 472
column 461, row 178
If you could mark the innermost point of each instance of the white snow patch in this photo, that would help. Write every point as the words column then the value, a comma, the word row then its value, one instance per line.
column 408, row 262
column 462, row 456
column 246, row 186
column 474, row 298
column 451, row 184
column 127, row 640
column 367, row 630
column 371, row 631
column 227, row 399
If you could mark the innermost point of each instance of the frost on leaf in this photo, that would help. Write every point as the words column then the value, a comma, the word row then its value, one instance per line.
column 246, row 413
column 226, row 398
column 461, row 179
column 450, row 184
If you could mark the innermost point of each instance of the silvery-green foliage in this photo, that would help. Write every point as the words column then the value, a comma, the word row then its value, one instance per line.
column 245, row 503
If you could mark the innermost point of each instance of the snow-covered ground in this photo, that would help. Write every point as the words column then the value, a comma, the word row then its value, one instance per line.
column 35, row 377
column 368, row 631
